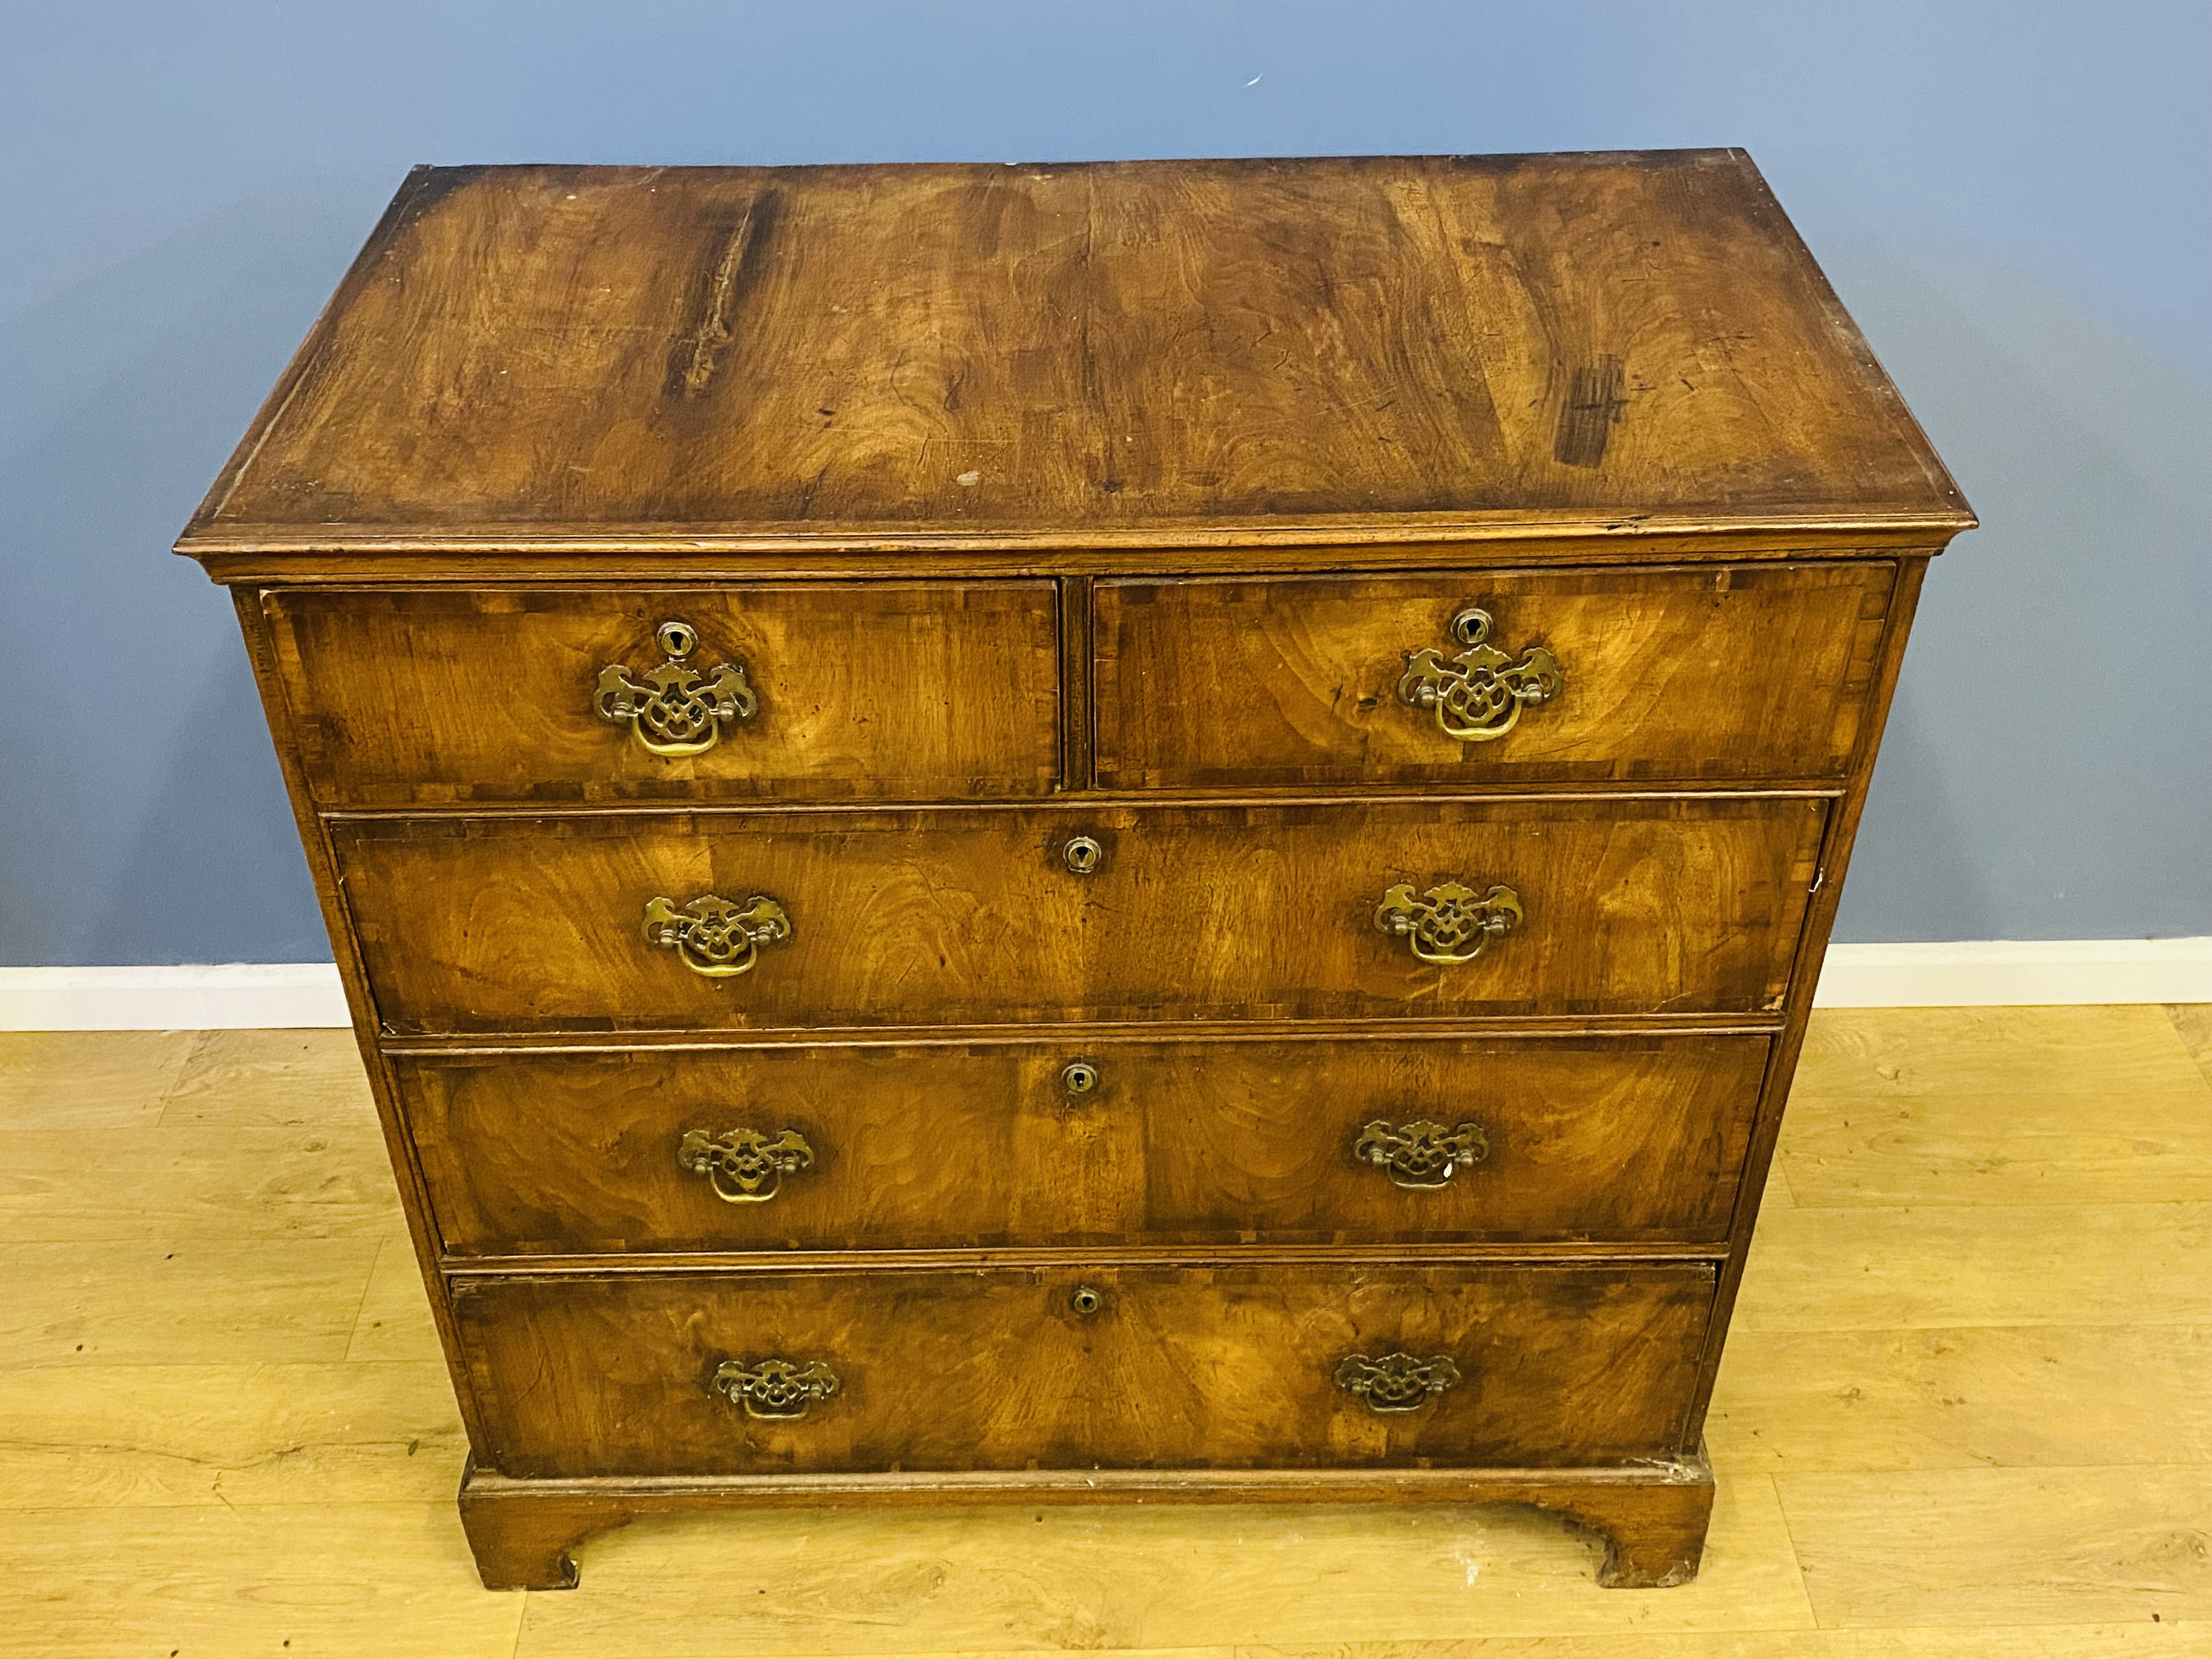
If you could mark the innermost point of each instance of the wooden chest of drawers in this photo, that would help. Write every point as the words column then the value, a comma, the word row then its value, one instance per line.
column 1107, row 833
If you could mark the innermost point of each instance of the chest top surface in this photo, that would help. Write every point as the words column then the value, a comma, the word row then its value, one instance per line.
column 1452, row 345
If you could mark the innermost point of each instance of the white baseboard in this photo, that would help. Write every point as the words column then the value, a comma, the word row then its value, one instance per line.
column 2016, row 973
column 192, row 997
column 1978, row 974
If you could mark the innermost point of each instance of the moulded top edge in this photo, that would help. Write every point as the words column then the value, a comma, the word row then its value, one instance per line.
column 1665, row 538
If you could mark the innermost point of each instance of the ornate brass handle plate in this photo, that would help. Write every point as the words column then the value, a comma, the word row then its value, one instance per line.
column 1420, row 1156
column 1451, row 922
column 714, row 937
column 1477, row 695
column 677, row 709
column 744, row 1166
column 1395, row 1382
column 775, row 1390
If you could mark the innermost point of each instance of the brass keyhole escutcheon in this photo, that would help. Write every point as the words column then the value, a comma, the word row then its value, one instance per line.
column 1084, row 855
column 1470, row 626
column 1086, row 1300
column 1078, row 1077
column 676, row 638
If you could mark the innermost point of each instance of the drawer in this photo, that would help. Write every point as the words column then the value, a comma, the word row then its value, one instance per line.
column 1745, row 671
column 1627, row 1139
column 847, row 690
column 1224, row 1366
column 613, row 921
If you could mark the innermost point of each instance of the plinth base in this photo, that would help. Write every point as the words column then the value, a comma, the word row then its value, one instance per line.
column 1653, row 1517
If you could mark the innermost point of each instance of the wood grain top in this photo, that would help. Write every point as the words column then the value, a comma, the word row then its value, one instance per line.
column 1178, row 352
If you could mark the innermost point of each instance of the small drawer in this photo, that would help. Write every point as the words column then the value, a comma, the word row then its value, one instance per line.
column 805, row 690
column 1285, row 1365
column 814, row 921
column 1104, row 1141
column 1467, row 677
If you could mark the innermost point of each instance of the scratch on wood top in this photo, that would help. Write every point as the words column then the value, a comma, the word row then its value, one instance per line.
column 1593, row 408
column 711, row 336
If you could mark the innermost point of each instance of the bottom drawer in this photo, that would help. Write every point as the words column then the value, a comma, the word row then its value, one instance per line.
column 1282, row 1366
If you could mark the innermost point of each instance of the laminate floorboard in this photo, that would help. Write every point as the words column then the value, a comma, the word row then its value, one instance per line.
column 180, row 1301
column 1964, row 1397
column 163, row 1183
column 145, row 1436
column 2005, row 1547
column 2141, row 1145
column 393, row 1320
column 88, row 1079
column 1926, row 1266
column 1966, row 1410
column 332, row 1580
column 807, row 1584
column 1917, row 1642
column 2192, row 1023
column 270, row 1080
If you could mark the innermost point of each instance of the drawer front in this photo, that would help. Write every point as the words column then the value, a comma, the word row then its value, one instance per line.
column 1231, row 1366
column 589, row 922
column 1748, row 672
column 1625, row 1140
column 846, row 690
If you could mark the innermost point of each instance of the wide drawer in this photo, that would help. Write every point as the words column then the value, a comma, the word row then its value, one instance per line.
column 845, row 691
column 1273, row 1140
column 1227, row 1366
column 1744, row 671
column 604, row 922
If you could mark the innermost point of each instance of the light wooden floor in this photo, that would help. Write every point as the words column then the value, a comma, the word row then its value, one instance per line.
column 1967, row 1409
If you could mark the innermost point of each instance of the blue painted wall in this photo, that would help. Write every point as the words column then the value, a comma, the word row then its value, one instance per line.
column 2016, row 199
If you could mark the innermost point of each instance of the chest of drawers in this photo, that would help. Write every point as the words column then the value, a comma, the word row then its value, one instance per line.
column 1110, row 833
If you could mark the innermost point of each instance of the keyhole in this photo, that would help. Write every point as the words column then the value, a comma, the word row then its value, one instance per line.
column 677, row 639
column 1084, row 855
column 1086, row 1300
column 1078, row 1077
column 1470, row 626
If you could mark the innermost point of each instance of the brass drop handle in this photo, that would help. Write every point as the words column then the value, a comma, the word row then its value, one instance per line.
column 1478, row 695
column 1449, row 923
column 743, row 1166
column 713, row 937
column 676, row 709
column 775, row 1390
column 1420, row 1156
column 1396, row 1382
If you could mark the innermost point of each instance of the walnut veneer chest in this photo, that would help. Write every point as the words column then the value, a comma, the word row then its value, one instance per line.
column 1098, row 833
